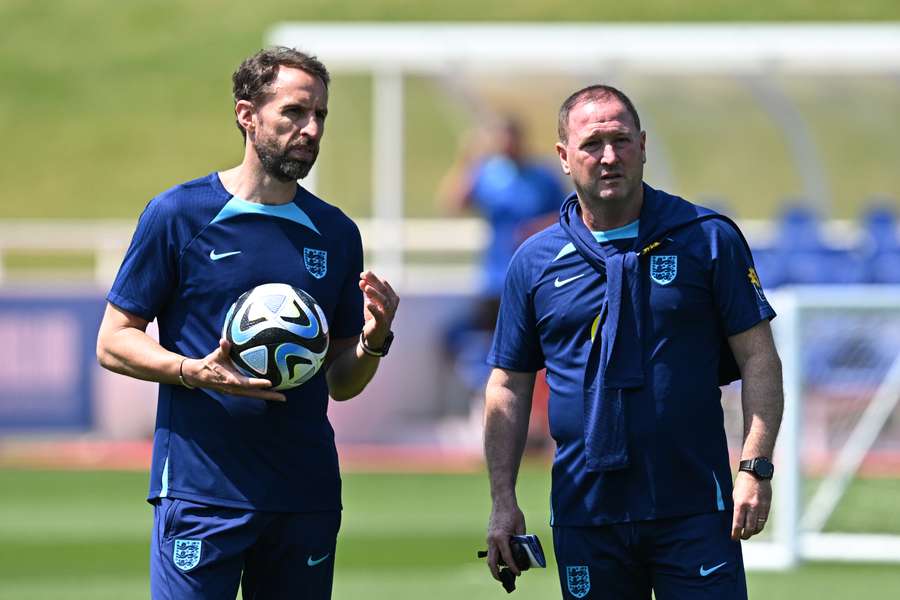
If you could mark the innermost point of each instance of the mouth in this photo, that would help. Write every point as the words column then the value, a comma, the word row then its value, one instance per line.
column 611, row 177
column 302, row 151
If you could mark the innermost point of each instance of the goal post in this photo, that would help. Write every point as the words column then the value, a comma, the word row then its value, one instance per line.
column 840, row 352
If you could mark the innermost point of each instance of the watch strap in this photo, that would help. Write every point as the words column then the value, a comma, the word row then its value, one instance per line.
column 750, row 466
column 377, row 352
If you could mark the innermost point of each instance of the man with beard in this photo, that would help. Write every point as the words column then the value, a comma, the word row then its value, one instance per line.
column 244, row 480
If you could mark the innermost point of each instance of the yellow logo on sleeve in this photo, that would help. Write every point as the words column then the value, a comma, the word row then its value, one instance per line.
column 754, row 280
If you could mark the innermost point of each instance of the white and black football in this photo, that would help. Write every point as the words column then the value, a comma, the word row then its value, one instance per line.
column 277, row 332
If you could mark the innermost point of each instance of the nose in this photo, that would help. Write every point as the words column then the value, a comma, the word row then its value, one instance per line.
column 608, row 156
column 312, row 127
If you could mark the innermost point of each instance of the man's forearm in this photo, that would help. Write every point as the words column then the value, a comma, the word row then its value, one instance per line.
column 124, row 347
column 762, row 401
column 350, row 372
column 130, row 351
column 507, row 409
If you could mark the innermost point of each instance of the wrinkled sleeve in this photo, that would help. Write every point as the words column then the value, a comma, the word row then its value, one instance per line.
column 516, row 344
column 348, row 314
column 148, row 273
column 739, row 297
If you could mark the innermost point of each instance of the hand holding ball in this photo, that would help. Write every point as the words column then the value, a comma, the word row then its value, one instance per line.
column 277, row 332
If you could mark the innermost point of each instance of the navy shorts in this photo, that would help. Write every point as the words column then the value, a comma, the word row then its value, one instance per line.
column 201, row 552
column 690, row 557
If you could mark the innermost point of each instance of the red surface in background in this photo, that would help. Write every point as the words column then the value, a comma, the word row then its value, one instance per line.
column 134, row 455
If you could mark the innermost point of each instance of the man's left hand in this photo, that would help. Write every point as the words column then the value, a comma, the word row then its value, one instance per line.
column 380, row 307
column 752, row 499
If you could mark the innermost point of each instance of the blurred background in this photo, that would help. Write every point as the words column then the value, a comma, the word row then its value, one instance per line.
column 442, row 118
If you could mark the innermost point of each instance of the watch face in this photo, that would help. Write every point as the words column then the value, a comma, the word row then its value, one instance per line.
column 387, row 342
column 764, row 469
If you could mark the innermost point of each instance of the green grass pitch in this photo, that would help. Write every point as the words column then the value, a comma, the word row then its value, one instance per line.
column 73, row 535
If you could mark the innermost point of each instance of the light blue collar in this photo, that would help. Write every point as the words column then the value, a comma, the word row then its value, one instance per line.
column 619, row 233
column 290, row 211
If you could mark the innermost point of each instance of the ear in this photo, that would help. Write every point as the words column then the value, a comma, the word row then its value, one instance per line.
column 245, row 113
column 563, row 158
column 644, row 147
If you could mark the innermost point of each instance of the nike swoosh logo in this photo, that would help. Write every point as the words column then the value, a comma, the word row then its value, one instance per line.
column 214, row 256
column 705, row 572
column 313, row 562
column 561, row 282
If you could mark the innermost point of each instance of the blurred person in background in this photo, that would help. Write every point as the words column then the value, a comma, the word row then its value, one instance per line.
column 639, row 305
column 244, row 480
column 517, row 195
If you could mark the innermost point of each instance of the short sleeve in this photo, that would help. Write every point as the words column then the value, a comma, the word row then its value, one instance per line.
column 348, row 313
column 148, row 274
column 516, row 343
column 739, row 296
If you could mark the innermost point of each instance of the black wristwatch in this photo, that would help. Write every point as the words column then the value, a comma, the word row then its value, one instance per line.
column 760, row 467
column 379, row 352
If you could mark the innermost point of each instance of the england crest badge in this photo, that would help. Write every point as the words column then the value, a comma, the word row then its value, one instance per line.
column 663, row 269
column 316, row 262
column 187, row 554
column 578, row 580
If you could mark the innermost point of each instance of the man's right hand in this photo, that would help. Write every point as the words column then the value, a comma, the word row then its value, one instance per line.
column 506, row 520
column 216, row 372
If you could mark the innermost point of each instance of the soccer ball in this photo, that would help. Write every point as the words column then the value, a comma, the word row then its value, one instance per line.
column 277, row 332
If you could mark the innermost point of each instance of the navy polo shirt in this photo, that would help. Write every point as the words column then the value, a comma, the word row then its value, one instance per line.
column 196, row 249
column 699, row 288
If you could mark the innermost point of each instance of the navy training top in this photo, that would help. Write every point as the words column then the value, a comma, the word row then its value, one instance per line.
column 699, row 287
column 196, row 249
